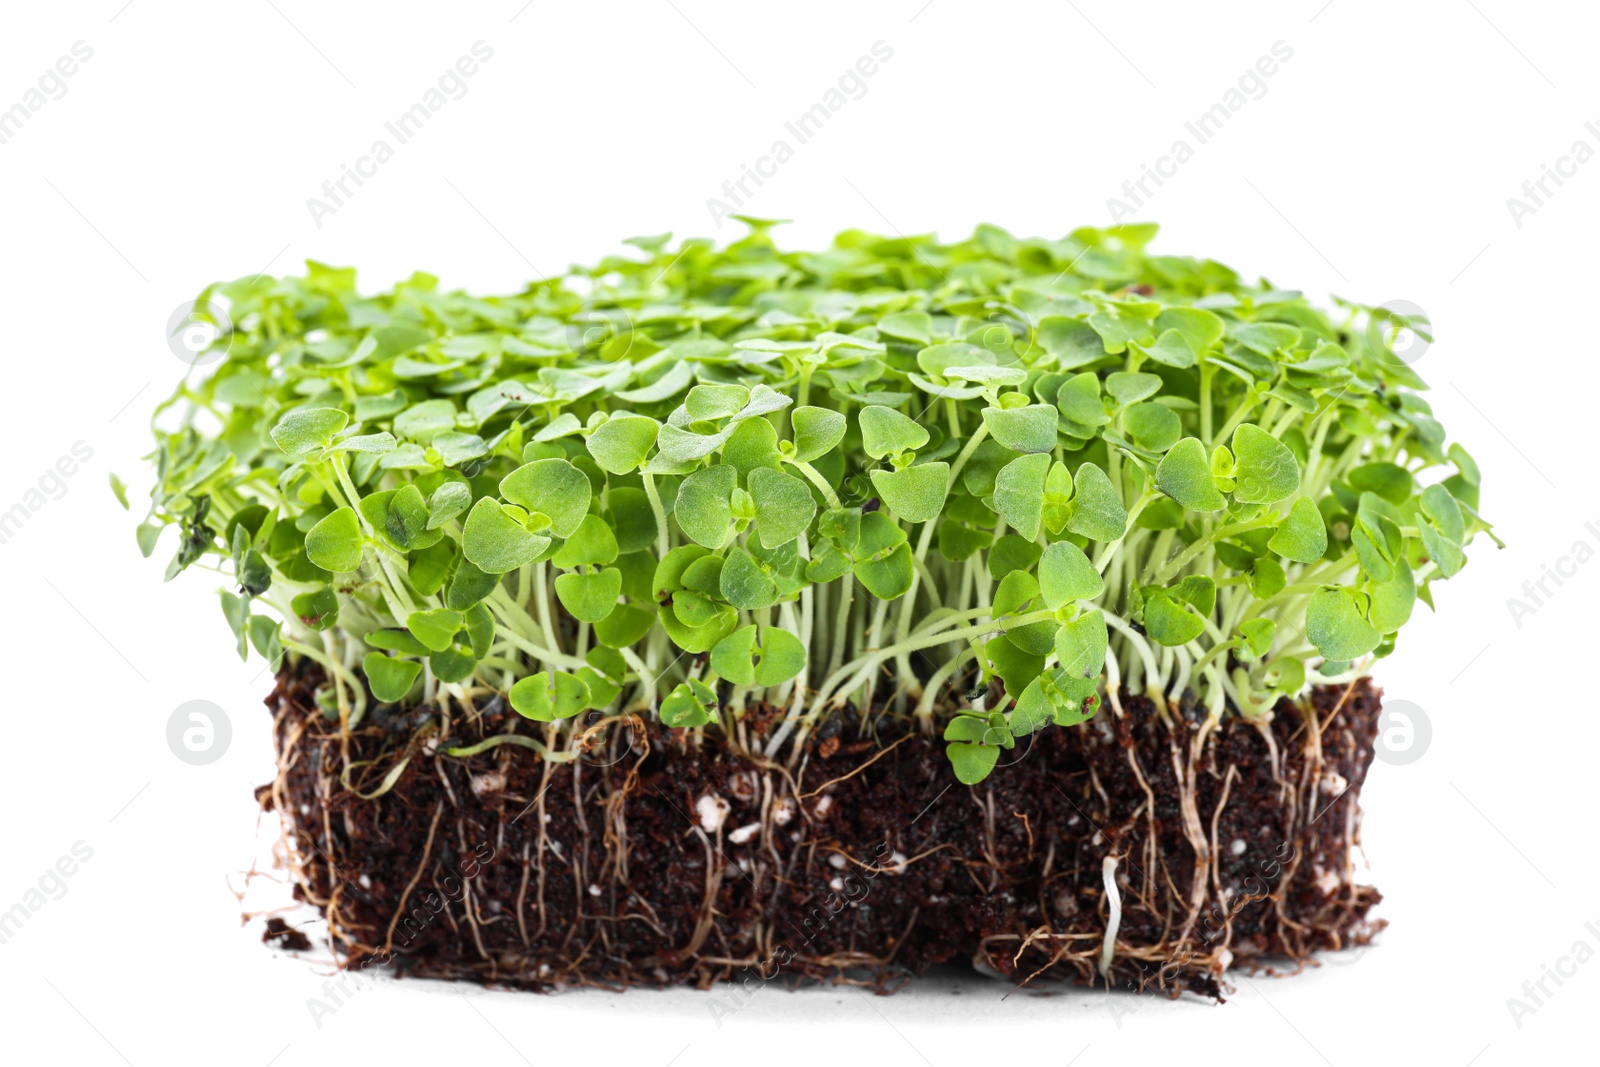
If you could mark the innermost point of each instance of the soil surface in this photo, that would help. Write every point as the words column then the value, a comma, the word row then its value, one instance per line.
column 649, row 862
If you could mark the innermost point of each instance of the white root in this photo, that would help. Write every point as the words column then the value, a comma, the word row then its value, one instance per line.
column 1108, row 874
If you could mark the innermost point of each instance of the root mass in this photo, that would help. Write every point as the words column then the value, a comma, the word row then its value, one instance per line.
column 648, row 861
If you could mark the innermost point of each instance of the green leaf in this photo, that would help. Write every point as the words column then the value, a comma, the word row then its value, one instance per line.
column 1099, row 515
column 318, row 609
column 1129, row 388
column 764, row 400
column 744, row 584
column 390, row 679
column 621, row 443
column 1303, row 537
column 552, row 487
column 1017, row 594
column 783, row 658
column 1169, row 621
column 679, row 451
column 734, row 656
column 1072, row 342
column 1016, row 666
column 784, row 506
column 1267, row 338
column 448, row 501
column 626, row 625
column 885, row 431
column 401, row 641
column 972, row 763
column 147, row 534
column 1081, row 647
column 709, row 402
column 1337, row 627
column 1019, row 493
column 495, row 540
column 405, row 520
column 436, row 629
column 1376, row 536
column 1265, row 470
column 309, row 428
column 827, row 564
column 1258, row 635
column 1072, row 698
column 1013, row 553
column 549, row 695
column 778, row 658
column 236, row 609
column 1390, row 481
column 454, row 449
column 1033, row 712
column 1197, row 590
column 817, row 431
column 589, row 597
column 1155, row 427
column 452, row 665
column 1444, row 513
column 602, row 690
column 1285, row 675
column 265, row 634
column 1172, row 348
column 977, row 728
column 691, row 704
column 957, row 541
column 694, row 623
column 591, row 544
column 468, row 585
column 1162, row 514
column 1446, row 554
column 422, row 422
column 882, row 557
column 913, row 326
column 703, row 508
column 1118, row 329
column 1185, row 476
column 1079, row 400
column 480, row 630
column 1222, row 467
column 631, row 518
column 1267, row 577
column 1066, row 575
column 1200, row 329
column 1024, row 429
column 1393, row 600
column 334, row 544
column 373, row 408
column 673, row 381
column 752, row 445
column 916, row 494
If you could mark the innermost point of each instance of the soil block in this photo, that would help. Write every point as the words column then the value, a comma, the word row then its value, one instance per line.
column 654, row 860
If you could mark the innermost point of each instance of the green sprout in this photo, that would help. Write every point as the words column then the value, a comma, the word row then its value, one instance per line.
column 977, row 487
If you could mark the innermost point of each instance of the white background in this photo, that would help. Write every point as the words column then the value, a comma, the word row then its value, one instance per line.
column 1377, row 165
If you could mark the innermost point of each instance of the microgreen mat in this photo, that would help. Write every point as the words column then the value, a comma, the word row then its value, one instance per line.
column 977, row 486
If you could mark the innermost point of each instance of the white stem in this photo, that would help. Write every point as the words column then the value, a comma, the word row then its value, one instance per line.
column 1108, row 875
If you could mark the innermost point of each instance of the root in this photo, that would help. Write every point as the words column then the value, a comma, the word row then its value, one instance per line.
column 835, row 781
column 427, row 852
column 1108, row 944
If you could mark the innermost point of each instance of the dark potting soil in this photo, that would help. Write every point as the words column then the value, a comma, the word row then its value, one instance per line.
column 285, row 936
column 651, row 862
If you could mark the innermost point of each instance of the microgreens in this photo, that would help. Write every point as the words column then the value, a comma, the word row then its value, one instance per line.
column 985, row 483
